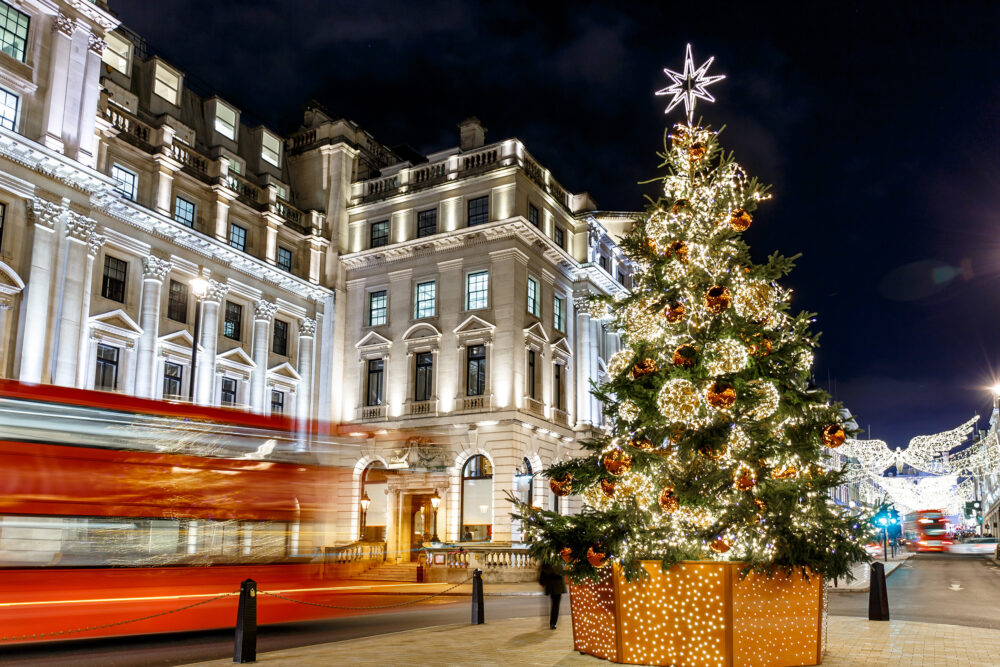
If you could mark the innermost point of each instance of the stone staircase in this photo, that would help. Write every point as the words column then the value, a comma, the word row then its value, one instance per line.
column 406, row 572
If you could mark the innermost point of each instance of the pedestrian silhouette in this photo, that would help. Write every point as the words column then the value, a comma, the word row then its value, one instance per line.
column 553, row 581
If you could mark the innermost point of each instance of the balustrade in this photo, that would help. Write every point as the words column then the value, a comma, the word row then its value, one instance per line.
column 372, row 412
column 130, row 128
column 469, row 403
column 534, row 406
column 422, row 408
column 560, row 417
column 245, row 191
column 486, row 557
column 191, row 161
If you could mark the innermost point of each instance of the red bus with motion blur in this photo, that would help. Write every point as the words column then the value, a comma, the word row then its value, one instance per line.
column 926, row 530
column 114, row 508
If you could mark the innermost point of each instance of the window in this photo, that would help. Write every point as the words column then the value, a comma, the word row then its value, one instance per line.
column 522, row 482
column 557, row 386
column 424, row 303
column 238, row 236
column 379, row 234
column 270, row 148
column 107, row 368
column 126, row 181
column 284, row 259
column 280, row 190
column 184, row 212
column 475, row 384
column 3, row 218
column 423, row 376
column 377, row 308
column 277, row 402
column 559, row 313
column 116, row 52
column 279, row 340
column 479, row 210
column 173, row 376
column 604, row 263
column 166, row 84
column 427, row 222
column 532, row 378
column 559, row 236
column 477, row 290
column 477, row 499
column 225, row 120
column 229, row 387
column 113, row 285
column 177, row 301
column 13, row 31
column 533, row 214
column 533, row 296
column 9, row 103
column 235, row 166
column 376, row 370
column 232, row 327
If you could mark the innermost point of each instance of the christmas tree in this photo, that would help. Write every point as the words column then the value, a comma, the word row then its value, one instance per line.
column 718, row 437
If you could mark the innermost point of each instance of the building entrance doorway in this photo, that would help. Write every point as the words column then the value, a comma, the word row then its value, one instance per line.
column 420, row 523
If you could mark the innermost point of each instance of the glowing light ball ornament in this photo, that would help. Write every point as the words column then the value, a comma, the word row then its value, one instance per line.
column 754, row 301
column 764, row 398
column 725, row 356
column 619, row 361
column 628, row 411
column 678, row 400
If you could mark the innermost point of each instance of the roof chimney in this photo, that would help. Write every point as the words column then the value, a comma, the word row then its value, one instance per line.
column 472, row 133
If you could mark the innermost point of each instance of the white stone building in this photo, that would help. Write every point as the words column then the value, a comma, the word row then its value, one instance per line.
column 437, row 301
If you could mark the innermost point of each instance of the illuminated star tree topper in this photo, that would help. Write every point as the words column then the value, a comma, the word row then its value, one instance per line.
column 689, row 85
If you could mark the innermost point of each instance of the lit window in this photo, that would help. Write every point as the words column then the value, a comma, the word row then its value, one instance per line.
column 9, row 103
column 229, row 390
column 379, row 234
column 427, row 222
column 106, row 377
column 376, row 371
column 277, row 402
column 423, row 376
column 113, row 284
column 477, row 286
column 475, row 381
column 184, row 212
column 284, row 259
column 279, row 341
column 377, row 308
column 533, row 296
column 232, row 327
column 559, row 236
column 238, row 237
column 13, row 31
column 166, row 84
column 116, row 54
column 280, row 190
column 559, row 313
column 477, row 499
column 235, row 166
column 3, row 219
column 425, row 300
column 126, row 181
column 479, row 210
column 225, row 120
column 557, row 386
column 270, row 148
column 177, row 301
column 533, row 214
column 173, row 380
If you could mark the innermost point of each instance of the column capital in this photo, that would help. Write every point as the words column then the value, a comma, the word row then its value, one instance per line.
column 216, row 291
column 64, row 24
column 155, row 268
column 80, row 227
column 307, row 327
column 45, row 212
column 581, row 302
column 94, row 244
column 263, row 311
column 96, row 44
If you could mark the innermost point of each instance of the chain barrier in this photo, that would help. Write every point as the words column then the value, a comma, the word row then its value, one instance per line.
column 381, row 606
column 61, row 633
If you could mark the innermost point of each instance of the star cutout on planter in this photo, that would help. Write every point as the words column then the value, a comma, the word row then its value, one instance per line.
column 690, row 85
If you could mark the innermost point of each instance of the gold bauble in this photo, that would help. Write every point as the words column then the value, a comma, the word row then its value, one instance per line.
column 717, row 299
column 674, row 313
column 761, row 348
column 678, row 135
column 649, row 245
column 719, row 546
column 668, row 502
column 678, row 249
column 710, row 452
column 684, row 356
column 608, row 488
column 642, row 443
column 643, row 368
column 617, row 461
column 788, row 472
column 566, row 553
column 720, row 395
column 596, row 558
column 678, row 400
column 696, row 151
column 681, row 207
column 833, row 436
column 740, row 220
column 561, row 487
column 746, row 482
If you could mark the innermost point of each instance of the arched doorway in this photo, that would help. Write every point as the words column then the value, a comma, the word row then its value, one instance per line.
column 374, row 480
column 477, row 500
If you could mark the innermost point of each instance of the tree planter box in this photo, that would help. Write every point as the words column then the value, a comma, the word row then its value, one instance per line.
column 700, row 614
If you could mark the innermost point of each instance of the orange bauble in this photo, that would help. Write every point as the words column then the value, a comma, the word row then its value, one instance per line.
column 650, row 245
column 696, row 152
column 761, row 505
column 678, row 249
column 596, row 558
column 721, row 395
column 641, row 442
column 561, row 487
column 567, row 554
column 761, row 348
column 684, row 356
column 668, row 502
column 717, row 299
column 745, row 482
column 714, row 453
column 834, row 436
column 643, row 368
column 608, row 488
column 740, row 220
column 788, row 472
column 675, row 313
column 719, row 546
column 681, row 206
column 617, row 461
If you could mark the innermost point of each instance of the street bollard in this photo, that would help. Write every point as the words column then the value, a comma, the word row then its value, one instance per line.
column 245, row 649
column 478, row 608
column 878, row 598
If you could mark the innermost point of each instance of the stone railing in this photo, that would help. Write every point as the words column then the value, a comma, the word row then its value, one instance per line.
column 421, row 408
column 355, row 552
column 130, row 128
column 534, row 407
column 192, row 163
column 474, row 403
column 372, row 412
column 499, row 563
column 245, row 191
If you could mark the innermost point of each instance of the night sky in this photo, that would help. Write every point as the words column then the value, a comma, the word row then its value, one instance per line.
column 878, row 128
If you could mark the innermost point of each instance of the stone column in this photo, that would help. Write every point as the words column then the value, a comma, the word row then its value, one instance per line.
column 88, row 104
column 166, row 168
column 307, row 336
column 154, row 270
column 94, row 245
column 209, row 343
column 78, row 229
column 581, row 351
column 63, row 28
column 262, row 315
column 272, row 222
column 37, row 298
column 223, row 196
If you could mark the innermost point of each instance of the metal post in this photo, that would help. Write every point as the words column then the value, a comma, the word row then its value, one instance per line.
column 194, row 349
column 878, row 598
column 478, row 608
column 885, row 545
column 245, row 648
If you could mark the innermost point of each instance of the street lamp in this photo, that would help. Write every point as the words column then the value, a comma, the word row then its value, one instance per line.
column 365, row 503
column 435, row 503
column 199, row 287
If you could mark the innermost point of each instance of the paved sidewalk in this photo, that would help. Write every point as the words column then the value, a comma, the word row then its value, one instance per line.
column 862, row 575
column 852, row 642
column 395, row 588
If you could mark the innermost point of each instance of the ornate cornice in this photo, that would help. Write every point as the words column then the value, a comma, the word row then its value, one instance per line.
column 94, row 14
column 155, row 268
column 264, row 310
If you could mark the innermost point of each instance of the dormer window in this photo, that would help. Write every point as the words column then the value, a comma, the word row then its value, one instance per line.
column 270, row 148
column 117, row 53
column 166, row 83
column 225, row 120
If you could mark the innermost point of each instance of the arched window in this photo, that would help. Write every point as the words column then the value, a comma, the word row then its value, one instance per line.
column 374, row 479
column 522, row 483
column 477, row 499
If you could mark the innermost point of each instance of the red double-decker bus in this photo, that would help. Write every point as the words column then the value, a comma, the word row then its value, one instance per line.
column 114, row 508
column 926, row 530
